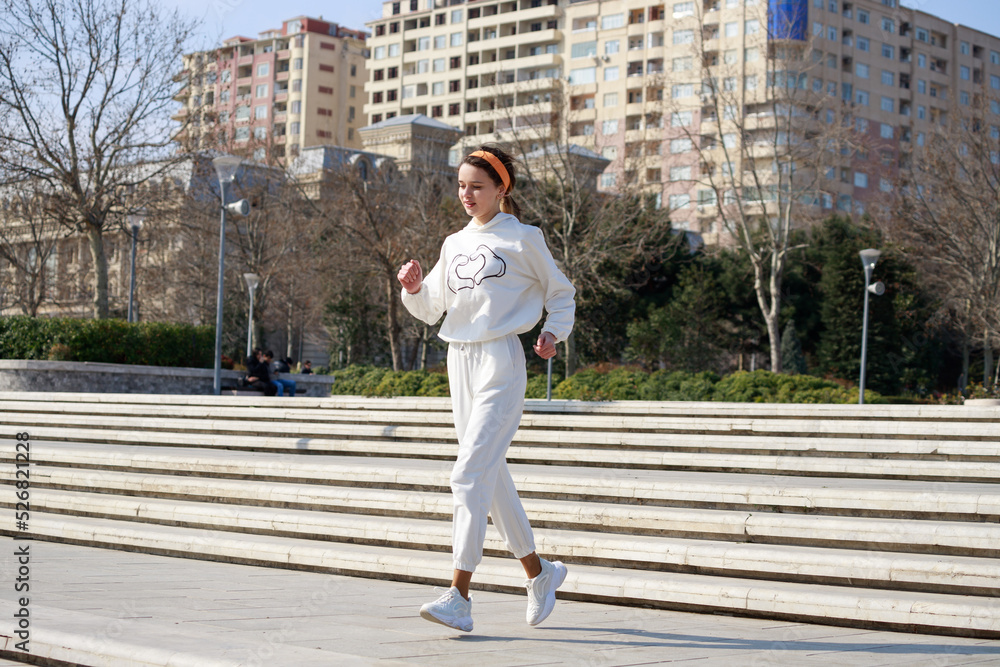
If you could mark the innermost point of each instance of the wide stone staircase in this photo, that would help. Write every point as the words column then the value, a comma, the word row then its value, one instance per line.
column 875, row 516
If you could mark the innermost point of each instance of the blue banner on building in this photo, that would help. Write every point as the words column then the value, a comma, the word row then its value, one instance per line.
column 788, row 19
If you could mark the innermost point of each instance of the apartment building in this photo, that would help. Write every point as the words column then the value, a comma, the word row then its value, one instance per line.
column 628, row 70
column 270, row 97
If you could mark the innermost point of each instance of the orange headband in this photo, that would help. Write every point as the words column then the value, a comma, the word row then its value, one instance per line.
column 497, row 165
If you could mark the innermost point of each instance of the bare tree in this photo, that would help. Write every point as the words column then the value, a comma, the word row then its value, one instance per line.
column 88, row 87
column 946, row 216
column 28, row 240
column 754, row 134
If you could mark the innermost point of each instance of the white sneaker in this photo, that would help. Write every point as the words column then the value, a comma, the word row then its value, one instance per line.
column 542, row 591
column 450, row 609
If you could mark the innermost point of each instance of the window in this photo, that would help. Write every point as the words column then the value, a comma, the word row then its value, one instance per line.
column 861, row 70
column 885, row 185
column 921, row 60
column 750, row 82
column 609, row 152
column 888, row 78
column 437, row 88
column 921, row 86
column 888, row 51
column 730, row 56
column 377, row 97
column 295, row 106
column 683, row 36
column 456, row 16
column 682, row 9
column 921, row 112
column 260, row 133
column 455, row 62
column 326, row 90
column 682, row 64
column 864, row 17
column 964, row 73
column 817, row 29
column 818, row 4
column 261, row 90
column 863, row 44
column 681, row 118
column 582, row 75
column 994, row 58
column 583, row 50
column 861, row 97
column 454, row 109
column 609, row 127
column 297, row 63
column 682, row 145
column 225, row 75
column 963, row 98
column 888, row 104
column 750, row 55
column 610, row 99
column 263, row 69
column 242, row 133
column 680, row 173
column 831, row 34
column 732, row 29
column 680, row 90
column 963, row 48
column 610, row 47
column 293, row 128
column 378, row 54
column 729, row 140
column 297, row 85
column 751, row 27
column 611, row 73
column 260, row 111
column 679, row 201
column 888, row 25
column 438, row 65
column 455, row 86
column 409, row 91
column 860, row 179
column 423, row 66
column 729, row 84
column 886, row 131
column 456, row 39
column 612, row 21
column 608, row 180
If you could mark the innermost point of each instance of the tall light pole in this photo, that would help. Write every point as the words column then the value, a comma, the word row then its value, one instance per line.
column 135, row 224
column 225, row 167
column 868, row 259
column 252, row 281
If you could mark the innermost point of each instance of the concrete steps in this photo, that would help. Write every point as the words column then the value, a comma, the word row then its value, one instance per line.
column 885, row 517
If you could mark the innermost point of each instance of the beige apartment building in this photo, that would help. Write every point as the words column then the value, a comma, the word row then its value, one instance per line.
column 625, row 74
column 270, row 97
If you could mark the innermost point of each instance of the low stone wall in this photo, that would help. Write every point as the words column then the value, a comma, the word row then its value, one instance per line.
column 29, row 375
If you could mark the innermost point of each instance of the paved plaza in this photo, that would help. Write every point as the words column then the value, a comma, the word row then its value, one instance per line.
column 134, row 608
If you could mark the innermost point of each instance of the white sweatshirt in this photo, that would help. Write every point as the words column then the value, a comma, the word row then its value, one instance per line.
column 492, row 280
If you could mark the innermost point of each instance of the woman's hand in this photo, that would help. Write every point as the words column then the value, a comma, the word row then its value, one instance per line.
column 411, row 276
column 546, row 345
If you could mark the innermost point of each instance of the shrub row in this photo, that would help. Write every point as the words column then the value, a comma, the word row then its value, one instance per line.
column 109, row 341
column 619, row 384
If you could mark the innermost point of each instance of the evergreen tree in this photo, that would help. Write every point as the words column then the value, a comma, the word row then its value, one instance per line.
column 793, row 361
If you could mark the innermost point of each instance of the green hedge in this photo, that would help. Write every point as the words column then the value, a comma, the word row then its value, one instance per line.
column 109, row 341
column 619, row 384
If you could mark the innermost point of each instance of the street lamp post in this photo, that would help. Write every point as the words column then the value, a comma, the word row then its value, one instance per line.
column 868, row 259
column 225, row 167
column 252, row 281
column 135, row 224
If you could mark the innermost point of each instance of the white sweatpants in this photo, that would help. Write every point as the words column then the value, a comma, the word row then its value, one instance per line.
column 487, row 393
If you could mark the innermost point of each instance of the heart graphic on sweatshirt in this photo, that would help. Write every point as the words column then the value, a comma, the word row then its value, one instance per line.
column 468, row 271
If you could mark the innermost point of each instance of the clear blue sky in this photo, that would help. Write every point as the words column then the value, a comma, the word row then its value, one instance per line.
column 225, row 18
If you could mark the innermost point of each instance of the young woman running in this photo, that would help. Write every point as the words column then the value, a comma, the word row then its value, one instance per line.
column 492, row 279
